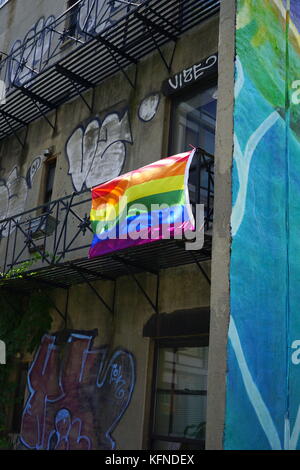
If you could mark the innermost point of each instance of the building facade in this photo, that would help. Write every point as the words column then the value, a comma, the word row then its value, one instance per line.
column 155, row 346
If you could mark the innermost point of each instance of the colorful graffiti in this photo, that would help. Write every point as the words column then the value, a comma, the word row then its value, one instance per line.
column 263, row 381
column 76, row 394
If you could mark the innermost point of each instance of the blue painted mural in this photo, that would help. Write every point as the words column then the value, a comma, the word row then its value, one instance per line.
column 263, row 379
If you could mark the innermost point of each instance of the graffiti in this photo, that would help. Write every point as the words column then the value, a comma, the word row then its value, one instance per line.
column 96, row 153
column 190, row 75
column 26, row 54
column 148, row 107
column 43, row 43
column 76, row 402
column 263, row 381
column 34, row 167
column 2, row 92
column 2, row 352
column 96, row 15
column 13, row 195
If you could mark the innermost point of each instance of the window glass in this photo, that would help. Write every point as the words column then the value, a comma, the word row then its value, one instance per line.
column 194, row 121
column 180, row 401
column 193, row 125
column 49, row 180
column 72, row 18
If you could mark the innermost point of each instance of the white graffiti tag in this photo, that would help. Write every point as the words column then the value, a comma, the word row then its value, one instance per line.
column 96, row 153
column 13, row 195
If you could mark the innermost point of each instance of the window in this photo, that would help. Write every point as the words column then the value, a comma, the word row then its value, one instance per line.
column 180, row 398
column 44, row 224
column 50, row 173
column 193, row 124
column 71, row 21
column 179, row 388
column 194, row 121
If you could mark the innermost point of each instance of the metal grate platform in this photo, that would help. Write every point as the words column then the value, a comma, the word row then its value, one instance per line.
column 135, row 32
column 152, row 257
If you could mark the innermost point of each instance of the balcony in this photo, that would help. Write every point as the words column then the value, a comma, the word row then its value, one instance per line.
column 50, row 243
column 61, row 58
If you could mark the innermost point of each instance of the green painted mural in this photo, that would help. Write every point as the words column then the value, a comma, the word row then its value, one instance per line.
column 263, row 380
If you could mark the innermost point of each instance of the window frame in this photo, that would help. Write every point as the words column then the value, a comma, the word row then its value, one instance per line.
column 198, row 340
column 72, row 18
column 195, row 88
column 51, row 161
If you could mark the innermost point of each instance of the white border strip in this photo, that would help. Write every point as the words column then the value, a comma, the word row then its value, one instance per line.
column 186, row 188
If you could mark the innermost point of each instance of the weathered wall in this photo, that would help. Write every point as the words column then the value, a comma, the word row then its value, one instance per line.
column 131, row 135
column 220, row 301
column 122, row 331
column 33, row 14
column 127, row 141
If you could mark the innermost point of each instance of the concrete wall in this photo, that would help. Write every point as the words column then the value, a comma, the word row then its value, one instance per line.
column 115, row 100
column 124, row 330
column 11, row 28
column 220, row 305
column 180, row 288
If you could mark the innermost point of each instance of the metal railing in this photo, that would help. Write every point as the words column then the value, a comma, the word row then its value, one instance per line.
column 61, row 58
column 60, row 231
column 44, row 44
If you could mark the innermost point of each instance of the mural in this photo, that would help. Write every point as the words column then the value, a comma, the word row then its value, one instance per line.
column 96, row 152
column 13, row 194
column 76, row 398
column 263, row 382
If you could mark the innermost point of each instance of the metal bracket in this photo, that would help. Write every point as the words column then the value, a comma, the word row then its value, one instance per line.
column 120, row 52
column 152, row 27
column 76, row 79
column 5, row 115
column 200, row 267
column 82, row 274
column 137, row 282
column 38, row 99
column 90, row 272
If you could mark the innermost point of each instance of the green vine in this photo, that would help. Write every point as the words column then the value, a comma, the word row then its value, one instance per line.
column 24, row 320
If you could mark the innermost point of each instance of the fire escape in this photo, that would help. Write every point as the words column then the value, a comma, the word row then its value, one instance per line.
column 65, row 57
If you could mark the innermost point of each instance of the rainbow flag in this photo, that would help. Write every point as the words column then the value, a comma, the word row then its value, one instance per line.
column 142, row 206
